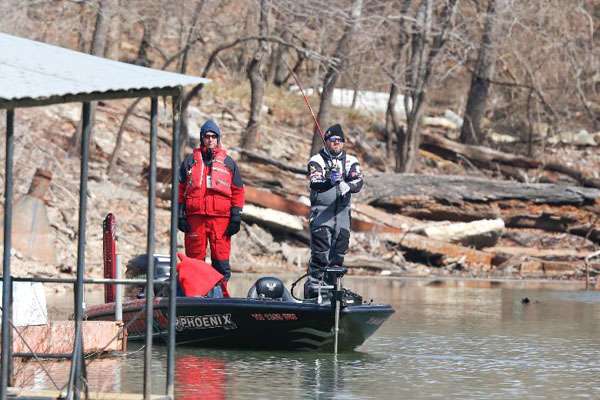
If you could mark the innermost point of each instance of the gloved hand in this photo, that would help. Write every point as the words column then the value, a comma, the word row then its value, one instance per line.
column 182, row 223
column 235, row 221
column 335, row 176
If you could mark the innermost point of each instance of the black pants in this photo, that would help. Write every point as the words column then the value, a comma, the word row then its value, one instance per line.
column 328, row 248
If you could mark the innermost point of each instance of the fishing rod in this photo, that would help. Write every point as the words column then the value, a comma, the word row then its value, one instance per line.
column 321, row 134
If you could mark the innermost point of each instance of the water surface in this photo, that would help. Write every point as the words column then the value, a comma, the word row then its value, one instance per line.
column 459, row 340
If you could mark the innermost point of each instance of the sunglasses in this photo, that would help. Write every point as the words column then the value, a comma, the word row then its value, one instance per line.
column 335, row 139
column 210, row 136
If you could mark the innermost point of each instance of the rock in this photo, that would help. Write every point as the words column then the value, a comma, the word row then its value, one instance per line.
column 581, row 138
column 584, row 138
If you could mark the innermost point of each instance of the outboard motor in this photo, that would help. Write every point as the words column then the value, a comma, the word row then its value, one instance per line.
column 270, row 288
column 137, row 266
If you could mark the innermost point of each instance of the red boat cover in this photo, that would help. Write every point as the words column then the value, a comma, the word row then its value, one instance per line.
column 196, row 277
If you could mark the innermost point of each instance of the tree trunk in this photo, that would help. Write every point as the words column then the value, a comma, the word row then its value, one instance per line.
column 335, row 68
column 112, row 49
column 424, row 50
column 103, row 17
column 471, row 132
column 241, row 60
column 149, row 25
column 296, row 69
column 279, row 70
column 391, row 119
column 257, row 82
column 191, row 37
column 408, row 140
column 82, row 28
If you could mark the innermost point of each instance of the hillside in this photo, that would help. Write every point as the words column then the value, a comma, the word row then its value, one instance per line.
column 511, row 193
column 43, row 136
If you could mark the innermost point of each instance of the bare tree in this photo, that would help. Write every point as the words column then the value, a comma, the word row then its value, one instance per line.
column 425, row 47
column 242, row 55
column 192, row 36
column 113, row 40
column 278, row 72
column 471, row 132
column 342, row 53
column 103, row 16
column 392, row 124
column 257, row 81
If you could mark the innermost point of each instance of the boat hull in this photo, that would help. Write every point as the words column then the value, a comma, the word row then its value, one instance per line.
column 252, row 323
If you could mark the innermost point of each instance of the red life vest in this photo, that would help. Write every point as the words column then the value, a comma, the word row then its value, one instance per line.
column 208, row 189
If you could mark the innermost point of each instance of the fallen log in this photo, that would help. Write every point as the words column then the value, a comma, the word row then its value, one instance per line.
column 549, row 269
column 276, row 221
column 267, row 199
column 370, row 263
column 447, row 252
column 550, row 207
column 373, row 214
column 265, row 159
column 479, row 234
column 489, row 158
column 272, row 218
column 544, row 254
column 455, row 189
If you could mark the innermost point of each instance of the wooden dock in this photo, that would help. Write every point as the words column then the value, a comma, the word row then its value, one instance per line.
column 56, row 337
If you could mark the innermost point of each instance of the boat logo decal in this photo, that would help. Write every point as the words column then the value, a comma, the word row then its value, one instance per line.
column 205, row 322
column 274, row 316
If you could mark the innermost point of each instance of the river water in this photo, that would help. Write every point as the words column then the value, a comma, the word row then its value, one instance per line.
column 447, row 339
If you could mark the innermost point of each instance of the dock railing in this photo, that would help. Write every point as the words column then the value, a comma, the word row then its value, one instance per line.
column 76, row 383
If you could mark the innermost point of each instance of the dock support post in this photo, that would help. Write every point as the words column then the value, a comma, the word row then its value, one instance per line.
column 150, row 250
column 118, row 291
column 7, row 281
column 75, row 380
column 173, row 245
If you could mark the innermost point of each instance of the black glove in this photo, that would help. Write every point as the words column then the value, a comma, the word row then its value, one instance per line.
column 182, row 223
column 234, row 222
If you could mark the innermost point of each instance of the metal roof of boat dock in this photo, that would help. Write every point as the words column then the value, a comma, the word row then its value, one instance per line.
column 34, row 73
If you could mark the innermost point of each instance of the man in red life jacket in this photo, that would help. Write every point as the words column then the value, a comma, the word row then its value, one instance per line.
column 211, row 197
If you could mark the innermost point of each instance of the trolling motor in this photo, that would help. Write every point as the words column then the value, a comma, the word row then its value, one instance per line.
column 337, row 273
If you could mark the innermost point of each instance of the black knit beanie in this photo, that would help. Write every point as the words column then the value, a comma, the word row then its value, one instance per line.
column 335, row 130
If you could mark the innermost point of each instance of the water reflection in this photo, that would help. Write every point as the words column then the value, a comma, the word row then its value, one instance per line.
column 219, row 374
column 455, row 339
column 200, row 377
